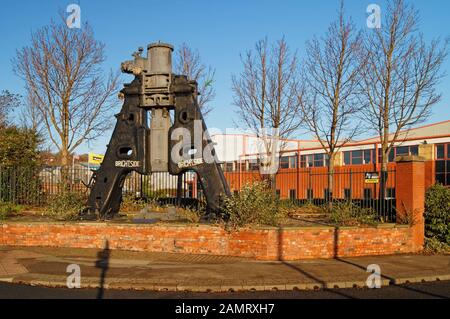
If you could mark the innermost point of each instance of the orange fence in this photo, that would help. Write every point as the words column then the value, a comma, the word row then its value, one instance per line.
column 312, row 183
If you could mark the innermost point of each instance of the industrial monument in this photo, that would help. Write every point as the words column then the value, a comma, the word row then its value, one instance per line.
column 159, row 129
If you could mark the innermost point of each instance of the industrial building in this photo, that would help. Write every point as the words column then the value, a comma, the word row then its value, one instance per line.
column 303, row 163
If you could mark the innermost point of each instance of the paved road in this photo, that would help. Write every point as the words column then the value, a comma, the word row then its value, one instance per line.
column 434, row 290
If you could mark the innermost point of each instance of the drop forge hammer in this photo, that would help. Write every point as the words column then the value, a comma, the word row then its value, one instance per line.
column 173, row 143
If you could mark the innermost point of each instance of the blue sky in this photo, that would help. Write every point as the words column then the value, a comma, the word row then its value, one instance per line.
column 220, row 30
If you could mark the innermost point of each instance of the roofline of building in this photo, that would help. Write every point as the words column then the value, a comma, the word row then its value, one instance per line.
column 256, row 136
column 409, row 130
column 361, row 142
column 300, row 150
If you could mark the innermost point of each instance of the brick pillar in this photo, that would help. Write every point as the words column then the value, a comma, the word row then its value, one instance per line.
column 410, row 195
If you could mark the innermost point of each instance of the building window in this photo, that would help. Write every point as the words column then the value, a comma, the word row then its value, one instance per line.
column 367, row 193
column 314, row 160
column 243, row 166
column 406, row 150
column 443, row 164
column 347, row 158
column 400, row 151
column 253, row 165
column 284, row 162
column 306, row 161
column 293, row 162
column 440, row 151
column 319, row 160
column 292, row 194
column 391, row 156
column 347, row 194
column 327, row 194
column 359, row 157
column 288, row 162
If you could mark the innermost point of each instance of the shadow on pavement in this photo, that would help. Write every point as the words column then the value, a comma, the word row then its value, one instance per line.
column 303, row 272
column 391, row 280
column 103, row 263
column 319, row 281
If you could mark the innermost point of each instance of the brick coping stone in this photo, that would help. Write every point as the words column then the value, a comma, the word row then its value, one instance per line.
column 193, row 225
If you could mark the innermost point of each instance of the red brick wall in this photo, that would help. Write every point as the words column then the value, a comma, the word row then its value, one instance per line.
column 262, row 244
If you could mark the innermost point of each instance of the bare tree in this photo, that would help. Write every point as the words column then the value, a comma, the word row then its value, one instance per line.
column 265, row 93
column 331, row 75
column 66, row 87
column 188, row 62
column 8, row 101
column 400, row 78
column 30, row 117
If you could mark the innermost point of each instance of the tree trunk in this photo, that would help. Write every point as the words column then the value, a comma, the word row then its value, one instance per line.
column 65, row 174
column 383, row 179
column 329, row 198
column 384, row 170
column 273, row 182
column 64, row 158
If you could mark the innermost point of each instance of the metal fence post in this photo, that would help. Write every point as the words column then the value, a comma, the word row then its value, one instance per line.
column 13, row 188
column 351, row 186
column 310, row 198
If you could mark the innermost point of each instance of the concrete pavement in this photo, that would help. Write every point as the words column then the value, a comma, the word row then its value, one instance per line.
column 177, row 272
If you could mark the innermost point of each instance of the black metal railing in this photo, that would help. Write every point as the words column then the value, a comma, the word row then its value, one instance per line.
column 356, row 185
column 37, row 186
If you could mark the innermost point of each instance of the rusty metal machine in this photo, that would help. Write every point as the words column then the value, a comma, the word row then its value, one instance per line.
column 171, row 143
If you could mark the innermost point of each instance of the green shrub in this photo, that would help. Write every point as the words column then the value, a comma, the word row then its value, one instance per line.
column 407, row 217
column 437, row 214
column 8, row 210
column 66, row 206
column 190, row 214
column 350, row 214
column 255, row 204
column 433, row 245
column 131, row 203
column 19, row 159
column 19, row 147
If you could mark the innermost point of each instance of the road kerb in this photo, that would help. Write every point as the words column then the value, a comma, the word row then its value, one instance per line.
column 92, row 283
